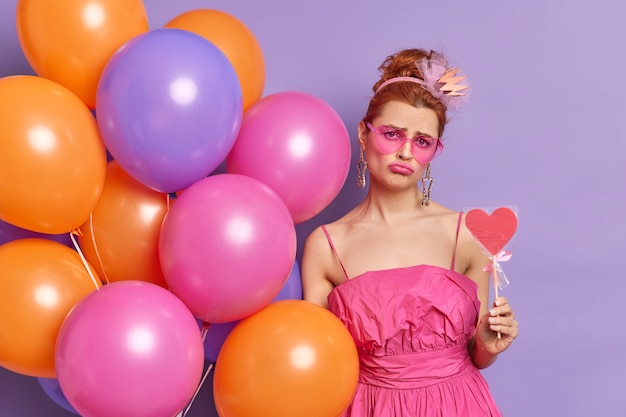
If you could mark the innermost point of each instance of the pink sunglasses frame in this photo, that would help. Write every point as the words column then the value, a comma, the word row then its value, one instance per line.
column 383, row 144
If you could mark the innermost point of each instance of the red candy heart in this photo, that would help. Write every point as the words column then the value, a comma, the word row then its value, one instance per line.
column 492, row 231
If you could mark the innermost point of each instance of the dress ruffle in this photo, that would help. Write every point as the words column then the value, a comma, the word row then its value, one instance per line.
column 412, row 327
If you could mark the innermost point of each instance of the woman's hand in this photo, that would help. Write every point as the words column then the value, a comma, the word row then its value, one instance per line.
column 499, row 319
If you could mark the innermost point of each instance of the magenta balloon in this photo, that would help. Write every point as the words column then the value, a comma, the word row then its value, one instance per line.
column 299, row 146
column 169, row 107
column 130, row 349
column 227, row 246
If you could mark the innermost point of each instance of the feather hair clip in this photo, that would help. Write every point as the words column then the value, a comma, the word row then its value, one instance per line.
column 439, row 80
column 442, row 81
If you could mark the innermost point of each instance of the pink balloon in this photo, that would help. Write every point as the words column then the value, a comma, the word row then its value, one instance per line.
column 296, row 144
column 130, row 349
column 227, row 246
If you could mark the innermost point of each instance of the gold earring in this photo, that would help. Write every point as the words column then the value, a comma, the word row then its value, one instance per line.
column 427, row 185
column 361, row 169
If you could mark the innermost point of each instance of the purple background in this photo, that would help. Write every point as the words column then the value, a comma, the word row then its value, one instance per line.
column 543, row 131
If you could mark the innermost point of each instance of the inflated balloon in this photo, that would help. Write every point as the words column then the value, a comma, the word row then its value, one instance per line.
column 70, row 41
column 292, row 289
column 121, row 238
column 292, row 358
column 227, row 247
column 299, row 146
column 52, row 159
column 8, row 233
column 214, row 339
column 169, row 108
column 40, row 282
column 130, row 349
column 217, row 333
column 52, row 388
column 235, row 40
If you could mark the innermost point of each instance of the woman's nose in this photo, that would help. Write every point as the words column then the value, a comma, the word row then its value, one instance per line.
column 405, row 150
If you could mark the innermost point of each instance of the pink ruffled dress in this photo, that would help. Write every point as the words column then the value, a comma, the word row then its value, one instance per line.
column 412, row 327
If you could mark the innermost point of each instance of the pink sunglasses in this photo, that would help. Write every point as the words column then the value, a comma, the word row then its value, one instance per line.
column 389, row 140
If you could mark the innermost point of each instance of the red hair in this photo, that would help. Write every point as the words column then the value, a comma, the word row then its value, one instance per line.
column 402, row 64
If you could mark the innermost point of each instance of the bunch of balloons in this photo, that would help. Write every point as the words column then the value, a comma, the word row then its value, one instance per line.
column 118, row 239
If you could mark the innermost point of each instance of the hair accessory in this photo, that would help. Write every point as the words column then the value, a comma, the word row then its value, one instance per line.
column 439, row 80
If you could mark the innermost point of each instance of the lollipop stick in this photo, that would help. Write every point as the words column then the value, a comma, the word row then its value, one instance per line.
column 495, row 287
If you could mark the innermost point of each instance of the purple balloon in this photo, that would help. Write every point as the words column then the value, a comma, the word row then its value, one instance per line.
column 52, row 388
column 169, row 107
column 215, row 337
column 9, row 232
column 217, row 333
column 292, row 289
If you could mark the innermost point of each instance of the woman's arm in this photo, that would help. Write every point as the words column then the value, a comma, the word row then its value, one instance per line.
column 316, row 259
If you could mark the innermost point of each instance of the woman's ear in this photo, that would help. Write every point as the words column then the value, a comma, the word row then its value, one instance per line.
column 362, row 133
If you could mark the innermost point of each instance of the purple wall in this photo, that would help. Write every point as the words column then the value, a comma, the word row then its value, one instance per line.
column 542, row 131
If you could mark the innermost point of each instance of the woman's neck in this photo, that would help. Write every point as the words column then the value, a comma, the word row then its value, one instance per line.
column 389, row 206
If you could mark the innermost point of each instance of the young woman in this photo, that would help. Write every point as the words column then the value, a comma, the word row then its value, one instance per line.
column 402, row 272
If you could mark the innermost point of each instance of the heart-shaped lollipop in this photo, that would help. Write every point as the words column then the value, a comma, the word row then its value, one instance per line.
column 492, row 231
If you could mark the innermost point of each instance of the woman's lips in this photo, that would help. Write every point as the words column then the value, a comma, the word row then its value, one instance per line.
column 400, row 168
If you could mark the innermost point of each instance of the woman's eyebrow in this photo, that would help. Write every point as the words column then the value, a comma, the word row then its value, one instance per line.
column 405, row 130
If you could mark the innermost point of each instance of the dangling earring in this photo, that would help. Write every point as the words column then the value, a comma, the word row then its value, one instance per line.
column 361, row 169
column 427, row 185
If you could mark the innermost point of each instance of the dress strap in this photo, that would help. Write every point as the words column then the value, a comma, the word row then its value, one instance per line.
column 332, row 246
column 456, row 240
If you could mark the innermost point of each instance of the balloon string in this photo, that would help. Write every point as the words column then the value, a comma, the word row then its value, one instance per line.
column 170, row 196
column 205, row 330
column 95, row 247
column 82, row 257
column 206, row 374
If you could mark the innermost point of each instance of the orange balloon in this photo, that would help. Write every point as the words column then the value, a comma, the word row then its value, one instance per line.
column 235, row 40
column 70, row 41
column 52, row 159
column 41, row 281
column 291, row 358
column 121, row 239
